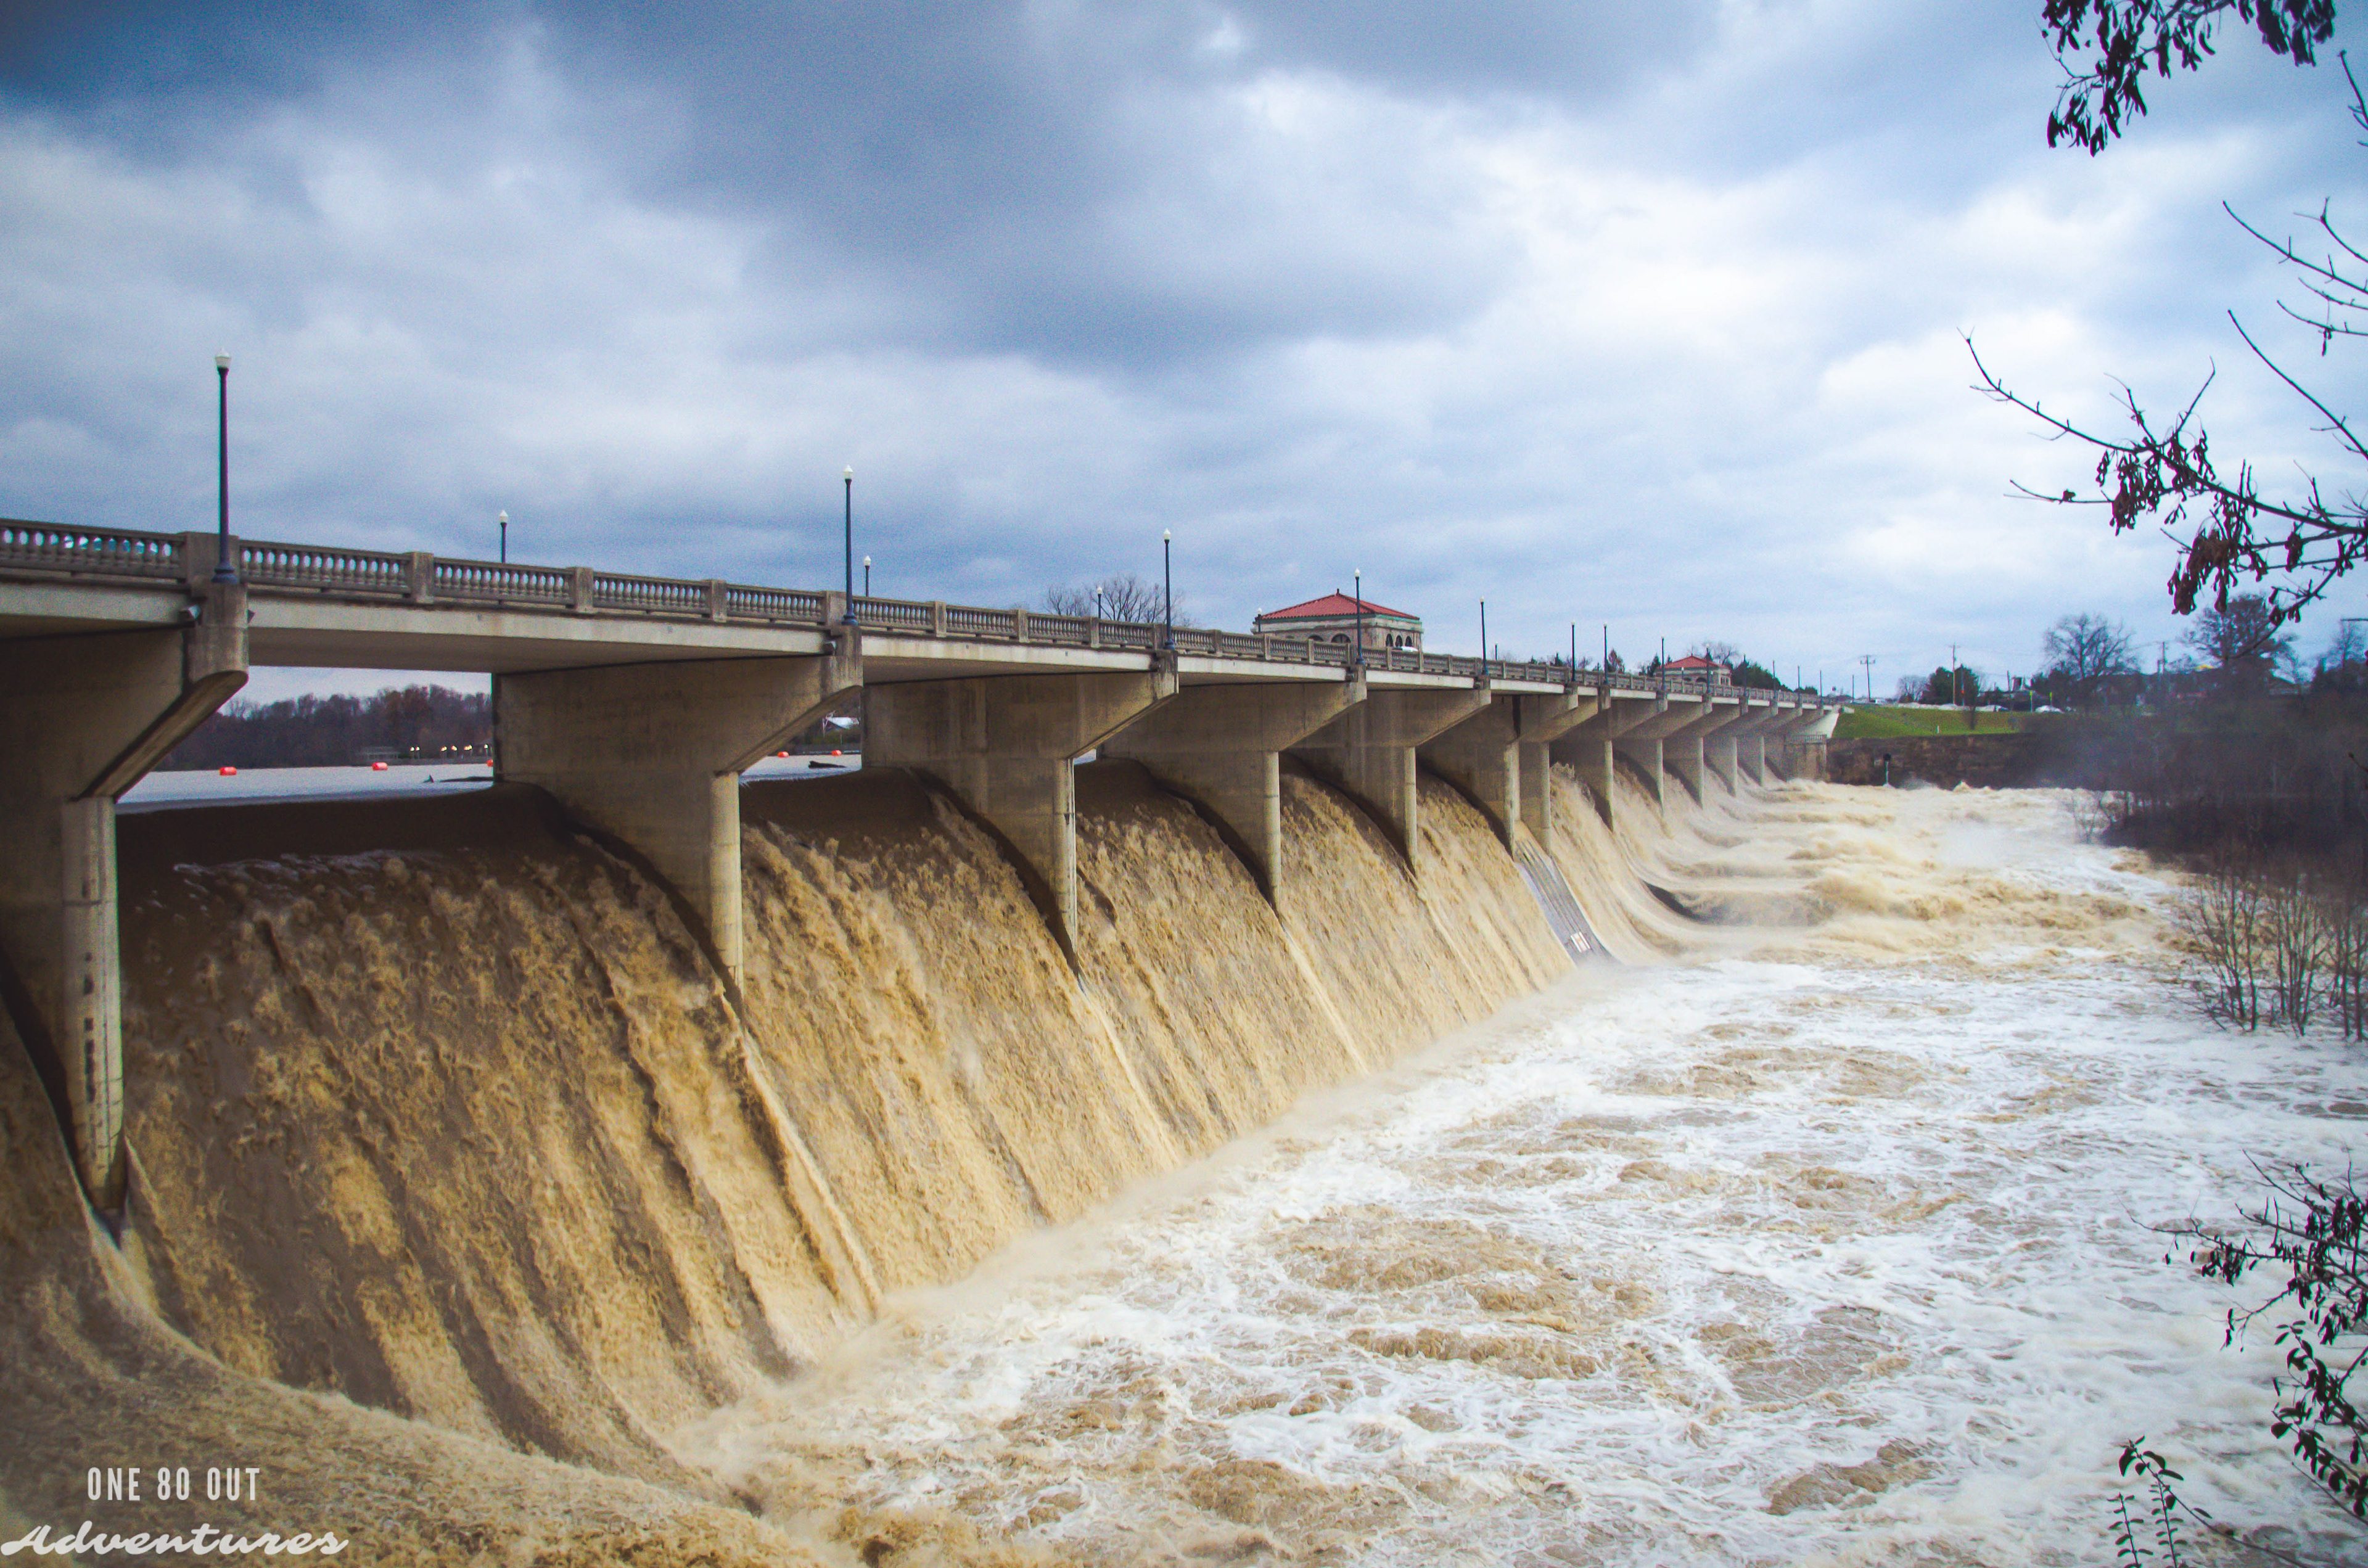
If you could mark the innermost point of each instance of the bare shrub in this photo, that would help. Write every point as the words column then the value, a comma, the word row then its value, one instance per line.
column 2343, row 904
column 2093, row 815
column 2292, row 938
column 2221, row 919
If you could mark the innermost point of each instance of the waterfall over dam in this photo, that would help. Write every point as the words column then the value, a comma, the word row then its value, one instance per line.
column 475, row 1206
column 441, row 1108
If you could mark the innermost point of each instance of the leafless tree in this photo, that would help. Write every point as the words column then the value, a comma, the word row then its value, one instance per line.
column 1122, row 595
column 2349, row 644
column 2089, row 647
column 2241, row 642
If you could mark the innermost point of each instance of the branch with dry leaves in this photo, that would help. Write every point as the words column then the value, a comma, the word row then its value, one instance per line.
column 2230, row 536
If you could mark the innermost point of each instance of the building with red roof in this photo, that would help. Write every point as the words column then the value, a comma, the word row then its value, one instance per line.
column 1693, row 666
column 1336, row 617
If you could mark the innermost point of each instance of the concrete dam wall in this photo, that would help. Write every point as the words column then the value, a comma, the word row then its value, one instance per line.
column 455, row 1152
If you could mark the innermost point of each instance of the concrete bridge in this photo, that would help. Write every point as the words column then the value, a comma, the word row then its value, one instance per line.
column 638, row 701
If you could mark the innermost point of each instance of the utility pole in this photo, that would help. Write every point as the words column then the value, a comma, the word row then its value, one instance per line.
column 1868, row 660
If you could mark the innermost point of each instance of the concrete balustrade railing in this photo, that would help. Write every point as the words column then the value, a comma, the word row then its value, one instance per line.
column 417, row 577
column 91, row 551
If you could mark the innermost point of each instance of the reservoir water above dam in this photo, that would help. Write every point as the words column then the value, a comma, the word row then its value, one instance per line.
column 475, row 1210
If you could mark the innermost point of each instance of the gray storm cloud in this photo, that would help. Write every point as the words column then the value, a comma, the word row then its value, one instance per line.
column 1646, row 315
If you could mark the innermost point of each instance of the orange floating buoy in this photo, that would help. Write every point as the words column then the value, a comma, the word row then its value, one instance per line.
column 780, row 754
column 378, row 768
column 228, row 772
column 834, row 751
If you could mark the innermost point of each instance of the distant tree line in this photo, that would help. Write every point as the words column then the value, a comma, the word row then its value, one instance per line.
column 2231, row 654
column 414, row 723
column 1122, row 595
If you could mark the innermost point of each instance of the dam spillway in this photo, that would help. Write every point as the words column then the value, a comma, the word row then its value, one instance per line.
column 556, row 1243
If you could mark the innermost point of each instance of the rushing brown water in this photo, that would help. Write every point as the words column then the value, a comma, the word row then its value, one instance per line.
column 486, row 1224
column 444, row 1112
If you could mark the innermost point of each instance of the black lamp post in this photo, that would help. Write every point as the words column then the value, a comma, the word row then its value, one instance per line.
column 224, row 571
column 867, row 576
column 1357, row 579
column 1483, row 639
column 1167, row 588
column 849, row 477
column 504, row 518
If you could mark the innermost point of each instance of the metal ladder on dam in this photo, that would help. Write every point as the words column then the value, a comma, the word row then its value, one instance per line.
column 1552, row 889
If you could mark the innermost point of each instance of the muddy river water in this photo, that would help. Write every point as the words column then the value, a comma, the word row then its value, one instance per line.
column 1826, row 1243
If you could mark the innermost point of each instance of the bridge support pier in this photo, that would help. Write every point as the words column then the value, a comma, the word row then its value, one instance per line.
column 1221, row 745
column 82, row 719
column 1643, row 742
column 654, row 752
column 1007, row 746
column 1587, row 747
column 1498, row 757
column 1721, row 747
column 1751, row 743
column 1684, row 750
column 1369, row 751
column 1799, row 749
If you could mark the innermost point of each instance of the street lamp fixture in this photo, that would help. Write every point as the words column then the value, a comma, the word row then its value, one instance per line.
column 1483, row 639
column 504, row 518
column 1167, row 589
column 849, row 477
column 867, row 576
column 1357, row 579
column 224, row 571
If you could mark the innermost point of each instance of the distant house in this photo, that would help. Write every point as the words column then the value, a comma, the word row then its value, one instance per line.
column 1336, row 617
column 1693, row 666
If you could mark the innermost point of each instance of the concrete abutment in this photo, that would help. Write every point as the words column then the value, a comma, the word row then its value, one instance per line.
column 1369, row 751
column 82, row 719
column 1499, row 757
column 1221, row 746
column 653, row 754
column 1587, row 747
column 1007, row 746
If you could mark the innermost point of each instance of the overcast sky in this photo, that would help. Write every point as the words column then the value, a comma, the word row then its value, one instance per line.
column 1639, row 313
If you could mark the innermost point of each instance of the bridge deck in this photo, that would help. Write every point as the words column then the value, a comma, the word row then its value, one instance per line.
column 330, row 607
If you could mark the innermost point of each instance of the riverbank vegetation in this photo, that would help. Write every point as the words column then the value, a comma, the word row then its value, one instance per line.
column 416, row 723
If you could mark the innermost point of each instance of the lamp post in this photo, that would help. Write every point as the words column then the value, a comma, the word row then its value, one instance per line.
column 224, row 571
column 504, row 518
column 1607, row 647
column 849, row 476
column 1167, row 589
column 1483, row 639
column 867, row 576
column 1356, row 581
